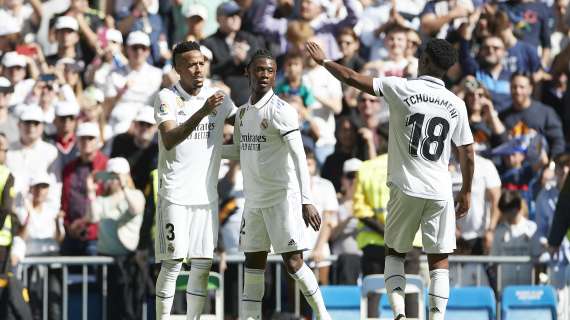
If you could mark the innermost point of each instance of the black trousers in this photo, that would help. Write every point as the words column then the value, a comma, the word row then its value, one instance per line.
column 126, row 288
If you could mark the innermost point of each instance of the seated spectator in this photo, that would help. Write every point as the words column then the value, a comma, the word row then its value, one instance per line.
column 527, row 113
column 488, row 68
column 326, row 203
column 8, row 122
column 134, row 85
column 232, row 49
column 81, row 236
column 515, row 236
column 397, row 63
column 119, row 212
column 347, row 268
column 139, row 147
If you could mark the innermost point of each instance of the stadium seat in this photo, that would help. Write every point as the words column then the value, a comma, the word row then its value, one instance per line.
column 342, row 301
column 214, row 283
column 375, row 283
column 529, row 303
column 471, row 303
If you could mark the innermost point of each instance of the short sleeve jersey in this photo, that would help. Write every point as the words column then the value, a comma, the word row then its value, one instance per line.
column 424, row 118
column 188, row 173
column 268, row 170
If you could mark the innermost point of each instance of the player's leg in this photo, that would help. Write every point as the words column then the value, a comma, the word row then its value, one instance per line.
column 254, row 241
column 438, row 237
column 203, row 237
column 402, row 223
column 307, row 281
column 171, row 246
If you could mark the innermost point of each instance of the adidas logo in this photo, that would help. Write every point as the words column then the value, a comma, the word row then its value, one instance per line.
column 292, row 243
column 397, row 289
column 181, row 113
column 434, row 310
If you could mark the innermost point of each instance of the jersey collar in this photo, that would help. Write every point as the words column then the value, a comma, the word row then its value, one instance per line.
column 432, row 79
column 263, row 101
column 185, row 94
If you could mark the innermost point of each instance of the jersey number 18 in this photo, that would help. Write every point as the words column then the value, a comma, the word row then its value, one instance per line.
column 432, row 144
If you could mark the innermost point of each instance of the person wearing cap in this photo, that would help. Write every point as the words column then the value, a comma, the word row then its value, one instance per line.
column 137, row 83
column 42, row 230
column 81, row 236
column 119, row 212
column 15, row 66
column 64, row 139
column 343, row 234
column 109, row 57
column 8, row 121
column 31, row 156
column 139, row 147
column 232, row 48
column 196, row 15
column 68, row 72
column 67, row 38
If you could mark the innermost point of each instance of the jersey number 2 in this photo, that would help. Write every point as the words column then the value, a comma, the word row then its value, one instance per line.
column 437, row 129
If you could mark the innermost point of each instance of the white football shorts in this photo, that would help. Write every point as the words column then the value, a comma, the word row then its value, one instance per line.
column 185, row 231
column 406, row 214
column 281, row 225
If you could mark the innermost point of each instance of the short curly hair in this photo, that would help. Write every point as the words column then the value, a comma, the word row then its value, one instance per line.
column 183, row 47
column 261, row 54
column 442, row 53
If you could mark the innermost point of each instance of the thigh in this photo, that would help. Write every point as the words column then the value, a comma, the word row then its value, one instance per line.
column 285, row 225
column 203, row 234
column 402, row 220
column 253, row 236
column 373, row 260
column 438, row 226
column 172, row 230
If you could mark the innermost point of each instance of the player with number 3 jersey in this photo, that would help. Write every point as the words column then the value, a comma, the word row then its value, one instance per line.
column 425, row 119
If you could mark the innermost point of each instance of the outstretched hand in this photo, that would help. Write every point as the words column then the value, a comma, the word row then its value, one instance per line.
column 311, row 217
column 316, row 52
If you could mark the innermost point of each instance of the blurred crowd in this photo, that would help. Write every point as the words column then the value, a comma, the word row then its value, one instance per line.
column 78, row 141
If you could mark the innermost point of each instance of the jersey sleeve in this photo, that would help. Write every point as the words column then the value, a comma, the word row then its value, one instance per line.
column 385, row 86
column 462, row 134
column 164, row 107
column 229, row 106
column 285, row 120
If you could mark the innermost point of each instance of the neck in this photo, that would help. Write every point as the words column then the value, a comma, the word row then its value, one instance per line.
column 141, row 143
column 515, row 220
column 371, row 122
column 475, row 116
column 524, row 105
column 135, row 65
column 495, row 70
column 256, row 96
column 190, row 89
column 295, row 82
column 27, row 143
column 37, row 204
column 65, row 135
column 66, row 52
column 396, row 56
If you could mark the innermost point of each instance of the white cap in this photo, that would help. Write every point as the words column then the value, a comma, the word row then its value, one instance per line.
column 207, row 53
column 14, row 59
column 32, row 113
column 114, row 35
column 351, row 165
column 42, row 178
column 138, row 37
column 88, row 129
column 66, row 22
column 5, row 85
column 196, row 10
column 146, row 114
column 118, row 165
column 65, row 108
column 95, row 94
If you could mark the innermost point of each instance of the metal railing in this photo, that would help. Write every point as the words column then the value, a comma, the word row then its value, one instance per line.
column 64, row 263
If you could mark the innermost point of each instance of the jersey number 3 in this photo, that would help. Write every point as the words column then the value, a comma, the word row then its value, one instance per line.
column 432, row 144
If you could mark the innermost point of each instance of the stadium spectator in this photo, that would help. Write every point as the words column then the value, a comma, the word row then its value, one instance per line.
column 64, row 139
column 139, row 147
column 68, row 73
column 67, row 37
column 349, row 44
column 347, row 268
column 196, row 16
column 371, row 120
column 119, row 213
column 440, row 19
column 515, row 236
column 397, row 63
column 110, row 57
column 81, row 236
column 15, row 70
column 8, row 122
column 232, row 49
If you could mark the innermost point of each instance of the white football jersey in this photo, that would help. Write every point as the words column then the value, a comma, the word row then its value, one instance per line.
column 424, row 118
column 267, row 165
column 188, row 173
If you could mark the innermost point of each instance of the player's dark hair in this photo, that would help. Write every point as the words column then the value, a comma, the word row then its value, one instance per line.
column 183, row 47
column 260, row 54
column 442, row 53
column 511, row 201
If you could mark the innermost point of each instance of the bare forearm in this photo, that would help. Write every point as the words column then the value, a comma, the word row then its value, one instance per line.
column 135, row 205
column 175, row 136
column 433, row 24
column 350, row 77
column 496, row 125
column 467, row 162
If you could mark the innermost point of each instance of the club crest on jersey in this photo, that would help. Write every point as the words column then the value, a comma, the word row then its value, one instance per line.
column 163, row 109
column 264, row 124
column 181, row 113
column 170, row 247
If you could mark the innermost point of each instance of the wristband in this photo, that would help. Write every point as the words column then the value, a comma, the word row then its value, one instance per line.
column 325, row 61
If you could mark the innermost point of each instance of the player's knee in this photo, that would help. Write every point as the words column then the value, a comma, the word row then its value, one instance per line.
column 438, row 261
column 293, row 262
column 392, row 252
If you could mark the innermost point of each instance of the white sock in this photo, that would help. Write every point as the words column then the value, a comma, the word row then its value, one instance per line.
column 165, row 287
column 197, row 288
column 438, row 293
column 395, row 278
column 253, row 289
column 310, row 289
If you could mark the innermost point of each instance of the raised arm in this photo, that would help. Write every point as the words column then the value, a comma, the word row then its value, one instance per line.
column 170, row 133
column 342, row 73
